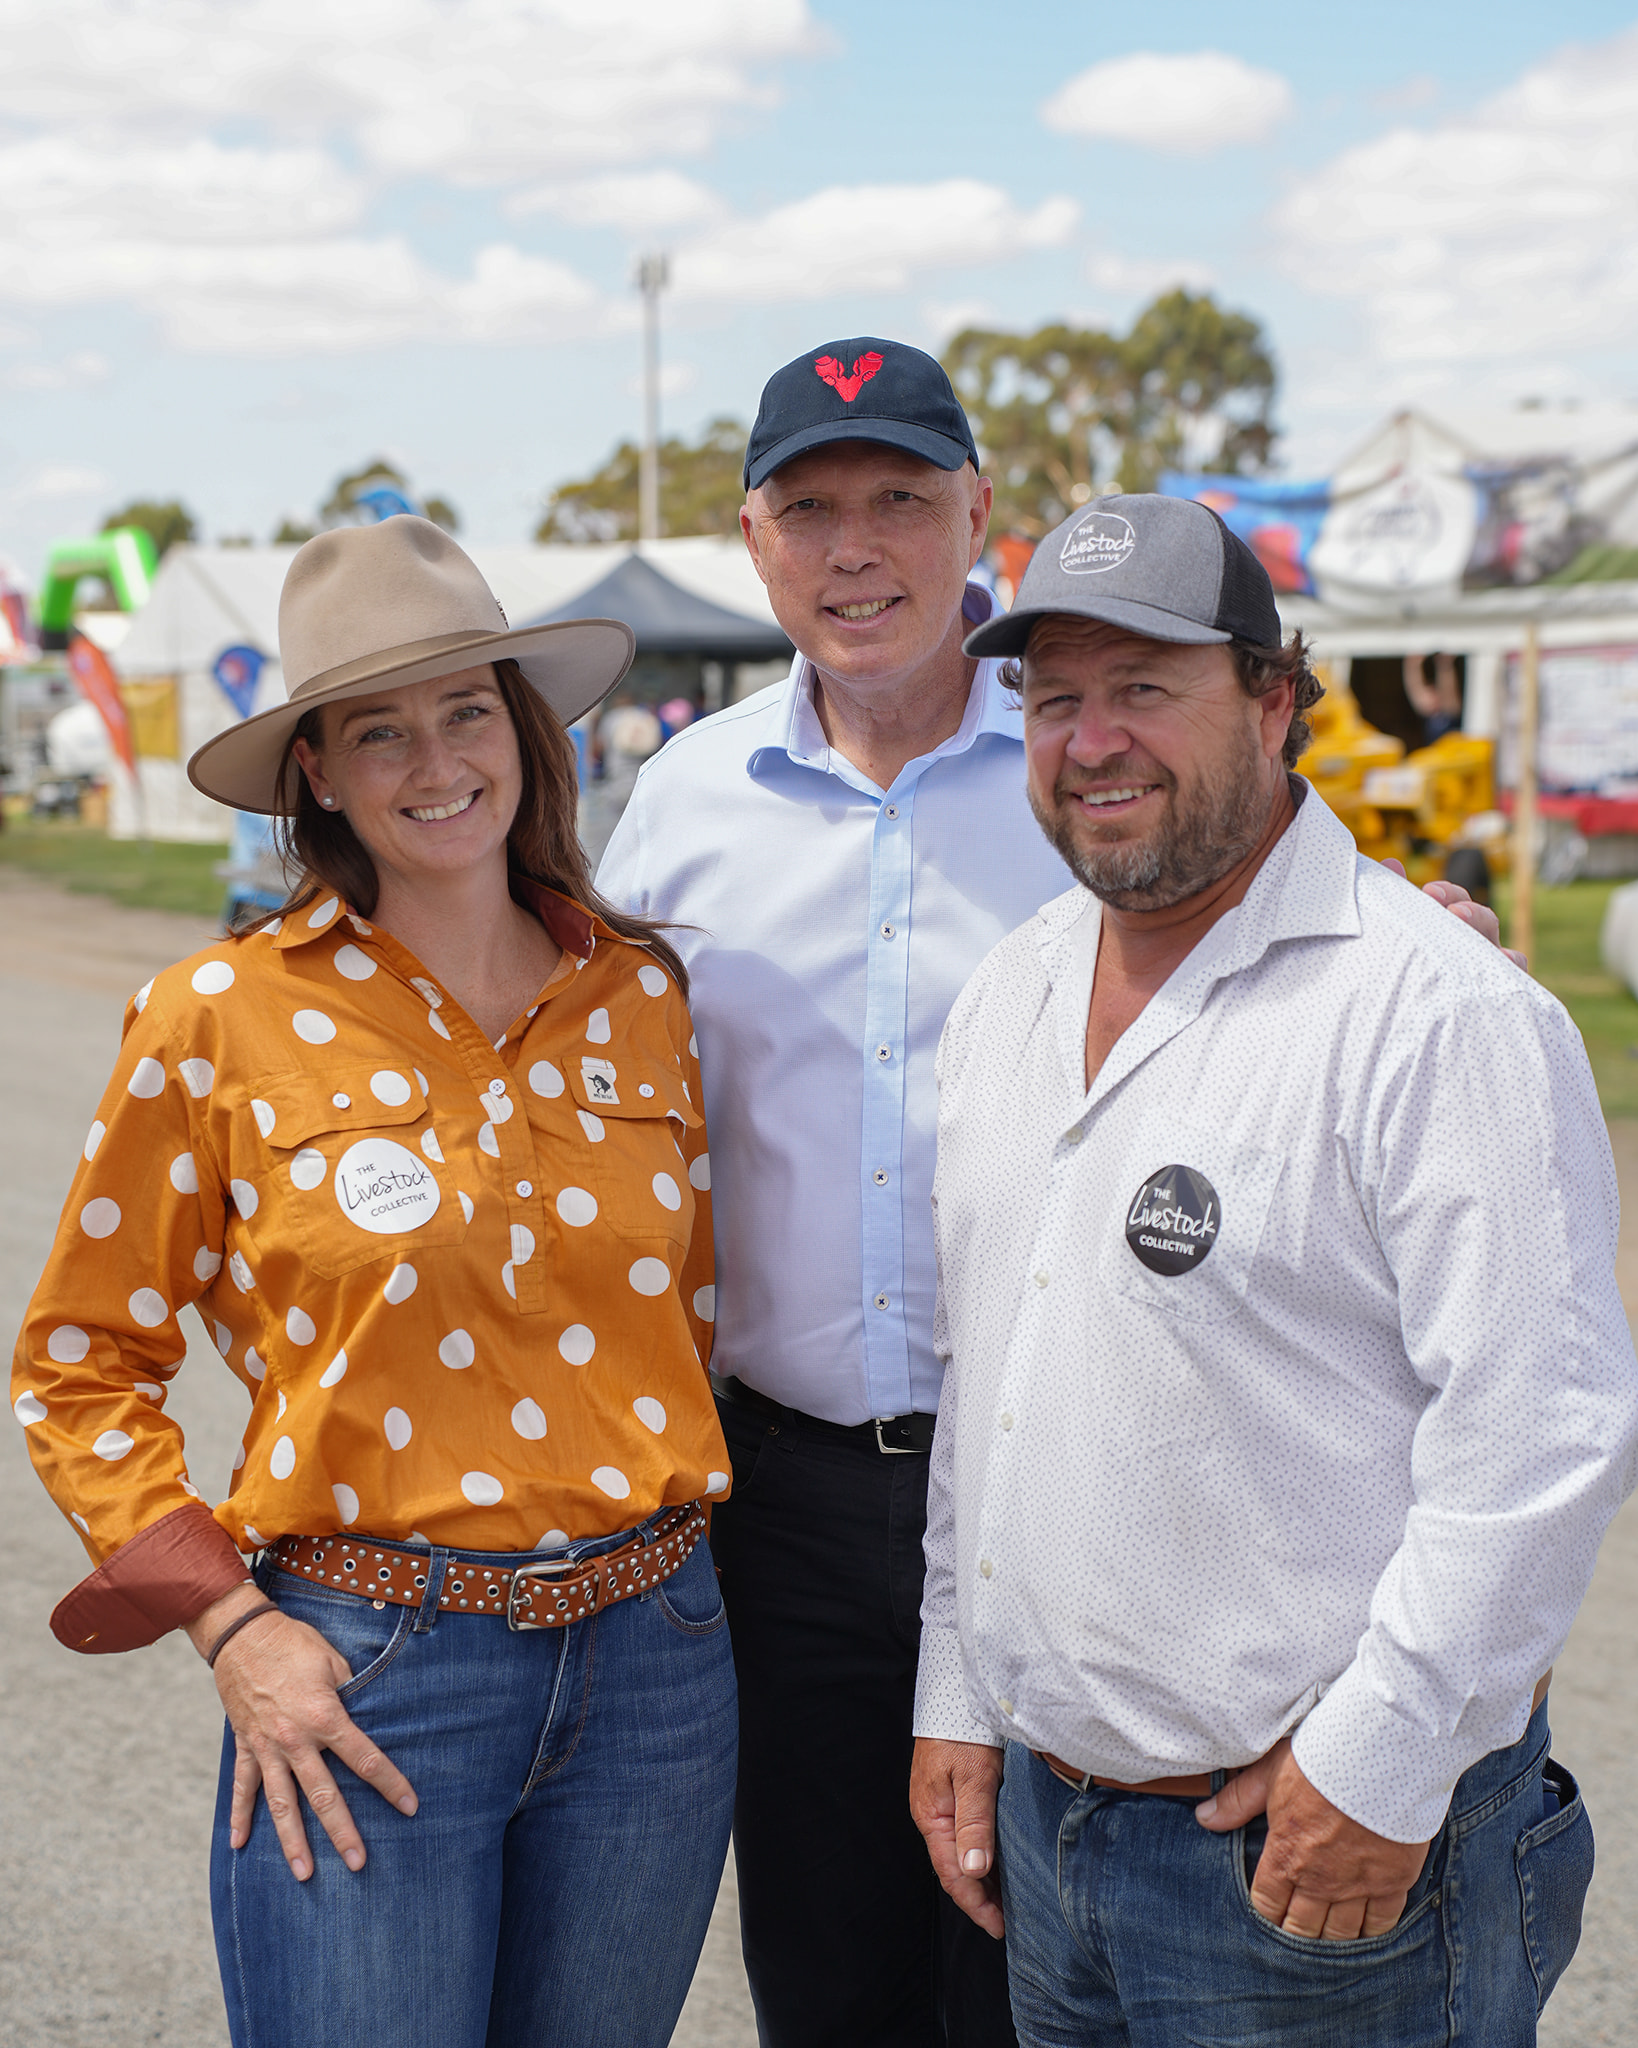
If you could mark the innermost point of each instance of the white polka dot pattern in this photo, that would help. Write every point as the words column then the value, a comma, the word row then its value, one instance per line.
column 363, row 1194
column 1211, row 1466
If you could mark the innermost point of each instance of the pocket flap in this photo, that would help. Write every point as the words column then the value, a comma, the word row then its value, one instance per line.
column 352, row 1096
column 629, row 1087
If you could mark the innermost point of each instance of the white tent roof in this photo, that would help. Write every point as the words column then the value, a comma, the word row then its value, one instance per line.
column 208, row 598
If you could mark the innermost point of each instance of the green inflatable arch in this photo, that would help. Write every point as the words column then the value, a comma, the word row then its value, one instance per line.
column 124, row 557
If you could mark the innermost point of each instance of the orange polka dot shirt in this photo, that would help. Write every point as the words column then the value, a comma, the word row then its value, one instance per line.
column 467, row 1287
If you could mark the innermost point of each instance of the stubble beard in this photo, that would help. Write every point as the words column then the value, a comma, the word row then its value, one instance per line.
column 1198, row 841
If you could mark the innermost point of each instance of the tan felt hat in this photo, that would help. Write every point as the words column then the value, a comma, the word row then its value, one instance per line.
column 370, row 607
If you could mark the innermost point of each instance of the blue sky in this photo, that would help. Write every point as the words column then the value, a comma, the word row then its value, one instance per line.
column 249, row 243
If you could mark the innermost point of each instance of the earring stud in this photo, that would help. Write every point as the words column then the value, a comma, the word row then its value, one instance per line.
column 328, row 802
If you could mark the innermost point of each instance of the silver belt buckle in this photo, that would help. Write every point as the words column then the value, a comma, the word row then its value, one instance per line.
column 554, row 1568
column 891, row 1450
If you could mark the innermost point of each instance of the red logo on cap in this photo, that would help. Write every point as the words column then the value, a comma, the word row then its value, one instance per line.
column 830, row 371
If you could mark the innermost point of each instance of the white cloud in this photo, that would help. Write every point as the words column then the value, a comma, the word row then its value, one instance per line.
column 72, row 372
column 1186, row 104
column 865, row 238
column 1145, row 277
column 1502, row 236
column 478, row 91
column 58, row 480
column 638, row 203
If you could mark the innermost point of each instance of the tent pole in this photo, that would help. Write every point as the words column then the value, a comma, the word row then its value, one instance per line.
column 1522, row 936
column 653, row 275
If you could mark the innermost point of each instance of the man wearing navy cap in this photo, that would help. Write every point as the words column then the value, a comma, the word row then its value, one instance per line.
column 1288, row 1390
column 840, row 852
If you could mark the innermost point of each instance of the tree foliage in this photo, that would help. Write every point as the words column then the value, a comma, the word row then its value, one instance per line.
column 345, row 506
column 164, row 520
column 700, row 490
column 1066, row 412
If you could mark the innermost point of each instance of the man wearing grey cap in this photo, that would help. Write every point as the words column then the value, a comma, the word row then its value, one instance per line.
column 1287, row 1389
column 840, row 852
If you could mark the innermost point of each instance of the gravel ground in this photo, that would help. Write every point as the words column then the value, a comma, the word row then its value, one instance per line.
column 108, row 1765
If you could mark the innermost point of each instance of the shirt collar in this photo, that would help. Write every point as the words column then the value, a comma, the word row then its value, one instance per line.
column 792, row 729
column 576, row 930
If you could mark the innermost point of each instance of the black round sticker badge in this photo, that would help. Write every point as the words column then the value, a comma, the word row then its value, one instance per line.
column 1172, row 1223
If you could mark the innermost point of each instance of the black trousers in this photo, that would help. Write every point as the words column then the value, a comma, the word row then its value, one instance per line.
column 850, row 1942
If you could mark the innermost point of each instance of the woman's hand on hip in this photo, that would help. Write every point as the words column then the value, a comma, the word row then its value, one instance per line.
column 278, row 1682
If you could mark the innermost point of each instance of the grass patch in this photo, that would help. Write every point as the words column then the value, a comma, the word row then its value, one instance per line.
column 1568, row 922
column 150, row 875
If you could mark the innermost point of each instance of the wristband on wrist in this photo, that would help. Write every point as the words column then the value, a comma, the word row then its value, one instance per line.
column 233, row 1628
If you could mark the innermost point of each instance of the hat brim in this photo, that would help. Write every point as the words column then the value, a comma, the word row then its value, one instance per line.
column 1009, row 634
column 939, row 449
column 572, row 664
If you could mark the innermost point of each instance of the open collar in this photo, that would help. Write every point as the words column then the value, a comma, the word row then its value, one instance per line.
column 574, row 928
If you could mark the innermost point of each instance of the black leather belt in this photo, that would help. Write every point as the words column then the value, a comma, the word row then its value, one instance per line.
column 894, row 1436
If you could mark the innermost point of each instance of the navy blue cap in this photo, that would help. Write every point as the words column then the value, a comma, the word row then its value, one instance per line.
column 860, row 390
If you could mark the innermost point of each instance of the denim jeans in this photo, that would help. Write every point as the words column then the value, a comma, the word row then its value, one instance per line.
column 576, row 1788
column 1128, row 1923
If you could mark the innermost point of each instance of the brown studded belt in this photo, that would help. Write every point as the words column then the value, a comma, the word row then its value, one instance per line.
column 547, row 1595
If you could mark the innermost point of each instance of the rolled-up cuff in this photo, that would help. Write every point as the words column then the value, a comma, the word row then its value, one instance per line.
column 166, row 1575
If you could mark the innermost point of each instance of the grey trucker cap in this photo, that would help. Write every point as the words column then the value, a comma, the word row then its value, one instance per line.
column 1164, row 567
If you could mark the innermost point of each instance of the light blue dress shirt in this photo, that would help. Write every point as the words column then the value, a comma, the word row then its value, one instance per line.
column 835, row 925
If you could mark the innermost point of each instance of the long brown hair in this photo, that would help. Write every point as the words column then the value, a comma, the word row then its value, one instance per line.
column 543, row 845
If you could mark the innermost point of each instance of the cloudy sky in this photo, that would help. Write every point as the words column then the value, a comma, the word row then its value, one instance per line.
column 245, row 244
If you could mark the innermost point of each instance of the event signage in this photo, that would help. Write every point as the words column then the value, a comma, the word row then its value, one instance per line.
column 88, row 665
column 237, row 671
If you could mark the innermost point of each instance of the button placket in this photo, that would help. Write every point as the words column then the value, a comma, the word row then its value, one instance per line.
column 518, row 1164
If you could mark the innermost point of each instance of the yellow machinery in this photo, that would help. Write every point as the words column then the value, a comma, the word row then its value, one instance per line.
column 1416, row 808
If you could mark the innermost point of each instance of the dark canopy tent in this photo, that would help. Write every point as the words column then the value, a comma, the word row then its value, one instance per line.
column 670, row 621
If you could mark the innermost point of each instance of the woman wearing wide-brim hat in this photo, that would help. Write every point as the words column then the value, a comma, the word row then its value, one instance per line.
column 426, row 1151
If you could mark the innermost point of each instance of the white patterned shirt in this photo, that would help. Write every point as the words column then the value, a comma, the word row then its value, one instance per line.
column 1288, row 1386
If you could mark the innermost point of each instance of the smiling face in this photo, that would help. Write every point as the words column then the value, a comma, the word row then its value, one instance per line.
column 428, row 776
column 865, row 552
column 1151, row 770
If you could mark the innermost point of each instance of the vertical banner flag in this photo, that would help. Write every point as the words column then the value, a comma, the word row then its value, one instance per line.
column 88, row 665
column 237, row 671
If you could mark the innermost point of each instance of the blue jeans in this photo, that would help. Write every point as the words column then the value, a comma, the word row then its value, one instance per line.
column 1130, row 1926
column 576, row 1788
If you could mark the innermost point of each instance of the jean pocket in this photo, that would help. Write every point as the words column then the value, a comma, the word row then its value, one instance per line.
column 1408, row 1931
column 692, row 1601
column 367, row 1636
column 1554, row 1861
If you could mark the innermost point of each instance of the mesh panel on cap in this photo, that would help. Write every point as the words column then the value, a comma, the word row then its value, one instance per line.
column 1245, row 601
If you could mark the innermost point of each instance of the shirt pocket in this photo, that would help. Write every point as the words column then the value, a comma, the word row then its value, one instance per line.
column 358, row 1164
column 1193, row 1210
column 635, row 1111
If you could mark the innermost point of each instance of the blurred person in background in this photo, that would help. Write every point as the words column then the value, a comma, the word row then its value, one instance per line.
column 426, row 1151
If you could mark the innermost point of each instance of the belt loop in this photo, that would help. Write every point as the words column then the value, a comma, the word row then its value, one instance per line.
column 427, row 1613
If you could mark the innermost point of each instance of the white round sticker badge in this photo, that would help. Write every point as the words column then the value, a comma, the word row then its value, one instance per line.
column 383, row 1188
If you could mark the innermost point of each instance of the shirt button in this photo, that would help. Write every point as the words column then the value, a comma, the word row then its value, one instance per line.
column 984, row 1568
column 526, row 1188
column 1006, row 1422
column 879, row 1178
column 881, row 1301
column 341, row 1102
column 497, row 1087
column 1075, row 1136
column 1040, row 1279
column 644, row 1089
column 1006, row 1707
column 888, row 931
column 884, row 1052
column 892, row 810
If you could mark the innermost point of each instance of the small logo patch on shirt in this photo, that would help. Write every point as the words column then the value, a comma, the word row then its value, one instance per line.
column 1172, row 1222
column 384, row 1188
column 599, row 1078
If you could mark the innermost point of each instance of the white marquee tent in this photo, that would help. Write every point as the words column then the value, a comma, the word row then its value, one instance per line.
column 207, row 599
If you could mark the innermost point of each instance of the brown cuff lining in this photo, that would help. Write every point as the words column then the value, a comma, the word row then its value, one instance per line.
column 167, row 1574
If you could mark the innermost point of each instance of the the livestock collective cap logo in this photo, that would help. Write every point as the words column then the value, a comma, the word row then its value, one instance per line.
column 1172, row 1221
column 1102, row 540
